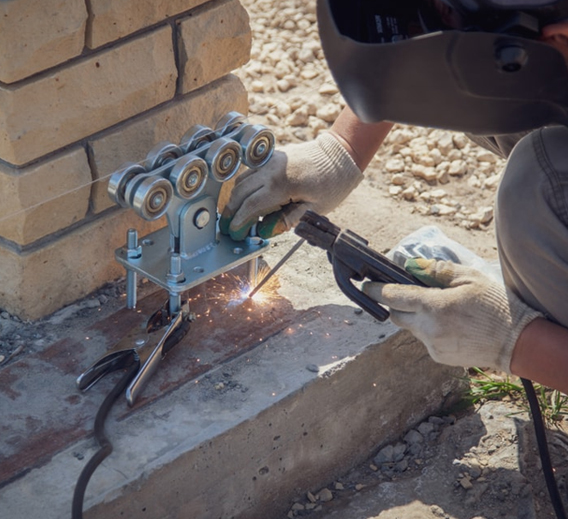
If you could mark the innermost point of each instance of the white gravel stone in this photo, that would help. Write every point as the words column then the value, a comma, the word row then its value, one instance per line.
column 457, row 167
column 257, row 86
column 329, row 112
column 437, row 194
column 492, row 182
column 443, row 210
column 328, row 89
column 299, row 117
column 400, row 136
column 410, row 193
column 486, row 156
column 445, row 144
column 283, row 85
column 443, row 177
column 421, row 171
column 460, row 140
column 399, row 179
column 394, row 165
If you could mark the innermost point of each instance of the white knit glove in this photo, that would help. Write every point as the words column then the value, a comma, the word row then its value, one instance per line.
column 316, row 175
column 469, row 321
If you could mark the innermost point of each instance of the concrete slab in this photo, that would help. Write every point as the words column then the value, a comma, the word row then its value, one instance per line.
column 258, row 402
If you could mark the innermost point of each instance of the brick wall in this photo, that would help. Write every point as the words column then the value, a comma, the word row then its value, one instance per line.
column 86, row 85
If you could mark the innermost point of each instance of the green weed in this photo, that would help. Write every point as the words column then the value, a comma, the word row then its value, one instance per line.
column 483, row 386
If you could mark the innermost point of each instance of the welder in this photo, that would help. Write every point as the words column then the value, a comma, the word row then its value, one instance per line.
column 495, row 69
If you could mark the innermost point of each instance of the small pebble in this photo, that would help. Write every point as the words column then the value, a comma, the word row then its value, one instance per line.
column 325, row 495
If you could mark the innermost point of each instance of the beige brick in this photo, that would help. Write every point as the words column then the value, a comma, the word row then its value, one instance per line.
column 90, row 95
column 39, row 282
column 132, row 140
column 36, row 35
column 44, row 198
column 114, row 19
column 213, row 42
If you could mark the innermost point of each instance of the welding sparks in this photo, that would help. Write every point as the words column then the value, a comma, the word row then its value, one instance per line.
column 227, row 296
column 236, row 291
column 269, row 291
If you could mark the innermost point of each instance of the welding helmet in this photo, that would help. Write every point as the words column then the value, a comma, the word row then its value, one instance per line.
column 463, row 65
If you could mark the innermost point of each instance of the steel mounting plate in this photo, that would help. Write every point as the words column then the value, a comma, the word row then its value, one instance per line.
column 221, row 257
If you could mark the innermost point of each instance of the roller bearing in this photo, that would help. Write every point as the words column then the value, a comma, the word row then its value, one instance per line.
column 189, row 176
column 161, row 154
column 119, row 181
column 258, row 146
column 152, row 197
column 229, row 122
column 196, row 137
column 223, row 158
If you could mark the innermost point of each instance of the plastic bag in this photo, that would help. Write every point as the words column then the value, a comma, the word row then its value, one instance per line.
column 431, row 243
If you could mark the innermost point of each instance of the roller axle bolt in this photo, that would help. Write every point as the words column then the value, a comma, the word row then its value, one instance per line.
column 202, row 218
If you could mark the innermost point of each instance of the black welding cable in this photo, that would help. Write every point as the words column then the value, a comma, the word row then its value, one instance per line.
column 540, row 433
column 104, row 443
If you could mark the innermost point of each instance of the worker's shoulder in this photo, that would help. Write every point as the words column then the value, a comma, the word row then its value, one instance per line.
column 549, row 145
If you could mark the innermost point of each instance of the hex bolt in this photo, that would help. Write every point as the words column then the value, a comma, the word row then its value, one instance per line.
column 261, row 148
column 175, row 275
column 511, row 58
column 226, row 162
column 202, row 218
column 133, row 251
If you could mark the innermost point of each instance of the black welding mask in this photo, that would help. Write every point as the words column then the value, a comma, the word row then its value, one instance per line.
column 464, row 65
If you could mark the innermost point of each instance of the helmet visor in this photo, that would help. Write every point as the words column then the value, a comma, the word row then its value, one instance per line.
column 390, row 21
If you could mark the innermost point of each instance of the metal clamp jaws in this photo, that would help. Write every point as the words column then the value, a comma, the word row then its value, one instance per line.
column 353, row 259
column 144, row 346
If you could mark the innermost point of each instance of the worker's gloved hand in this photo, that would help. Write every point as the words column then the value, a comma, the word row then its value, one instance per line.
column 316, row 175
column 466, row 319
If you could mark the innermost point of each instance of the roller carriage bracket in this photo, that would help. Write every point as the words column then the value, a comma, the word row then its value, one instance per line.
column 183, row 182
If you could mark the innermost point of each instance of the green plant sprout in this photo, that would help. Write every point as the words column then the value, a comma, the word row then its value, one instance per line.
column 483, row 386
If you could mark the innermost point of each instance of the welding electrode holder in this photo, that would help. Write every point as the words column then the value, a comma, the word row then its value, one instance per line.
column 143, row 346
column 353, row 260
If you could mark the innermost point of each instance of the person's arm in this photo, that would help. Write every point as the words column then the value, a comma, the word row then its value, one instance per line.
column 541, row 354
column 361, row 140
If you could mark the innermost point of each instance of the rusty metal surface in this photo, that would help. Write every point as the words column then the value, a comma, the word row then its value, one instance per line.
column 42, row 412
